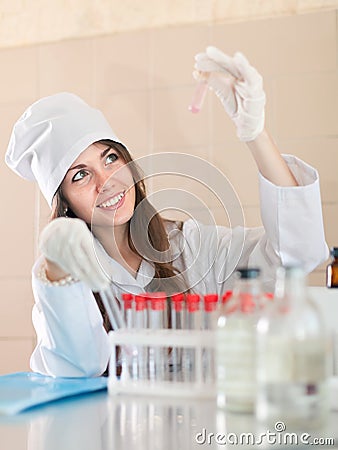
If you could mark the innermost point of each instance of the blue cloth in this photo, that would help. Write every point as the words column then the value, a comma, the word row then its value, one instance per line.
column 22, row 390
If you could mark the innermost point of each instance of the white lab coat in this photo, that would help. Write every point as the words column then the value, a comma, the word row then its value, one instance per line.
column 71, row 340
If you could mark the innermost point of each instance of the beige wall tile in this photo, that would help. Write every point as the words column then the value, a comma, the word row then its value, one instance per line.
column 252, row 216
column 67, row 66
column 18, row 206
column 54, row 21
column 173, row 51
column 203, row 11
column 317, row 278
column 9, row 114
column 284, row 45
column 122, row 63
column 18, row 75
column 128, row 115
column 16, row 225
column 223, row 129
column 237, row 164
column 15, row 354
column 306, row 106
column 321, row 153
column 43, row 213
column 16, row 306
column 330, row 213
column 174, row 126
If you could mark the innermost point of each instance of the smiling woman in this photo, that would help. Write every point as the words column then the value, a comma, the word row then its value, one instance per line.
column 104, row 230
column 99, row 180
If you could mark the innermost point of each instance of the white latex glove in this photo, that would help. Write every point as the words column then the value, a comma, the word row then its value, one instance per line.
column 69, row 244
column 239, row 87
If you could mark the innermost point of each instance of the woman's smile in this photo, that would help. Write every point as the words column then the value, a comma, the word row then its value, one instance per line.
column 112, row 202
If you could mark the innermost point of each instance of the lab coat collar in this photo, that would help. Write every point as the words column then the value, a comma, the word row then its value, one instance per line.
column 119, row 275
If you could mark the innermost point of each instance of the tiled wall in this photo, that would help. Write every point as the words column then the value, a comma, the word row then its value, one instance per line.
column 142, row 81
column 25, row 22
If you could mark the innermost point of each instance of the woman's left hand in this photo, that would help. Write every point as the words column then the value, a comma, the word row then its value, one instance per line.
column 239, row 87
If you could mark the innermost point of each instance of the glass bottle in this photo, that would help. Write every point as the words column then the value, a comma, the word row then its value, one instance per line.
column 332, row 270
column 235, row 343
column 292, row 357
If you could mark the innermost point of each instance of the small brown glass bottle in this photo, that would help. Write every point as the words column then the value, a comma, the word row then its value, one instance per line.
column 332, row 270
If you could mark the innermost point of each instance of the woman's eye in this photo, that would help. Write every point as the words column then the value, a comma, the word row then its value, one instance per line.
column 112, row 157
column 79, row 175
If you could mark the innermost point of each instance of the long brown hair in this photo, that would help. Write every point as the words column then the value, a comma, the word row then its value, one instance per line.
column 167, row 278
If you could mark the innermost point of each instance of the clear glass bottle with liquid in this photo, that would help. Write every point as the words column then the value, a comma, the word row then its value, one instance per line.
column 235, row 343
column 292, row 357
column 332, row 269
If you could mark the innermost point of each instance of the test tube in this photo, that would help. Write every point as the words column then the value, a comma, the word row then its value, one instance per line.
column 141, row 311
column 198, row 96
column 156, row 322
column 226, row 302
column 110, row 303
column 128, row 352
column 210, row 311
column 141, row 324
column 226, row 297
column 209, row 323
column 192, row 321
column 177, row 301
column 128, row 309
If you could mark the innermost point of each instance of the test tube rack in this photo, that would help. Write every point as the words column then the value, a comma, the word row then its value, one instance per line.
column 195, row 381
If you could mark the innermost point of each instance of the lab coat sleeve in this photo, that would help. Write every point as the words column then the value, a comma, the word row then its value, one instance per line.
column 293, row 218
column 292, row 233
column 71, row 339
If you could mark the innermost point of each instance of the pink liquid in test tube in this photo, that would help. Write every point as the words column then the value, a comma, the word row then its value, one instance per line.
column 198, row 97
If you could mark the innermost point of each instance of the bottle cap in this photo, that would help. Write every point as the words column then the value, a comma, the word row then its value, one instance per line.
column 127, row 300
column 248, row 273
column 226, row 296
column 177, row 301
column 211, row 298
column 334, row 252
column 157, row 300
column 193, row 301
column 140, row 302
column 210, row 302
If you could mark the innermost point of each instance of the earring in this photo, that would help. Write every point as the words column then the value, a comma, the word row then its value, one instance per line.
column 65, row 211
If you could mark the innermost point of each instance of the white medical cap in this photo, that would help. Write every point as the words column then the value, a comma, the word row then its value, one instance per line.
column 50, row 135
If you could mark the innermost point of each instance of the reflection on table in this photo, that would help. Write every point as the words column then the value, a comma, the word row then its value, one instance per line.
column 101, row 422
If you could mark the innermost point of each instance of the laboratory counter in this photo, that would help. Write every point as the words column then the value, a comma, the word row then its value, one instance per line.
column 99, row 421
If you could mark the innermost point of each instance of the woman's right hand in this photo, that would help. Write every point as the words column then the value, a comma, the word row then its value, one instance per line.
column 69, row 245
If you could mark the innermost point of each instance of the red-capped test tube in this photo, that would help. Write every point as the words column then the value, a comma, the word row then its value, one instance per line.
column 128, row 309
column 210, row 314
column 210, row 304
column 157, row 320
column 193, row 316
column 141, row 321
column 192, row 322
column 226, row 297
column 128, row 352
column 177, row 310
column 177, row 323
